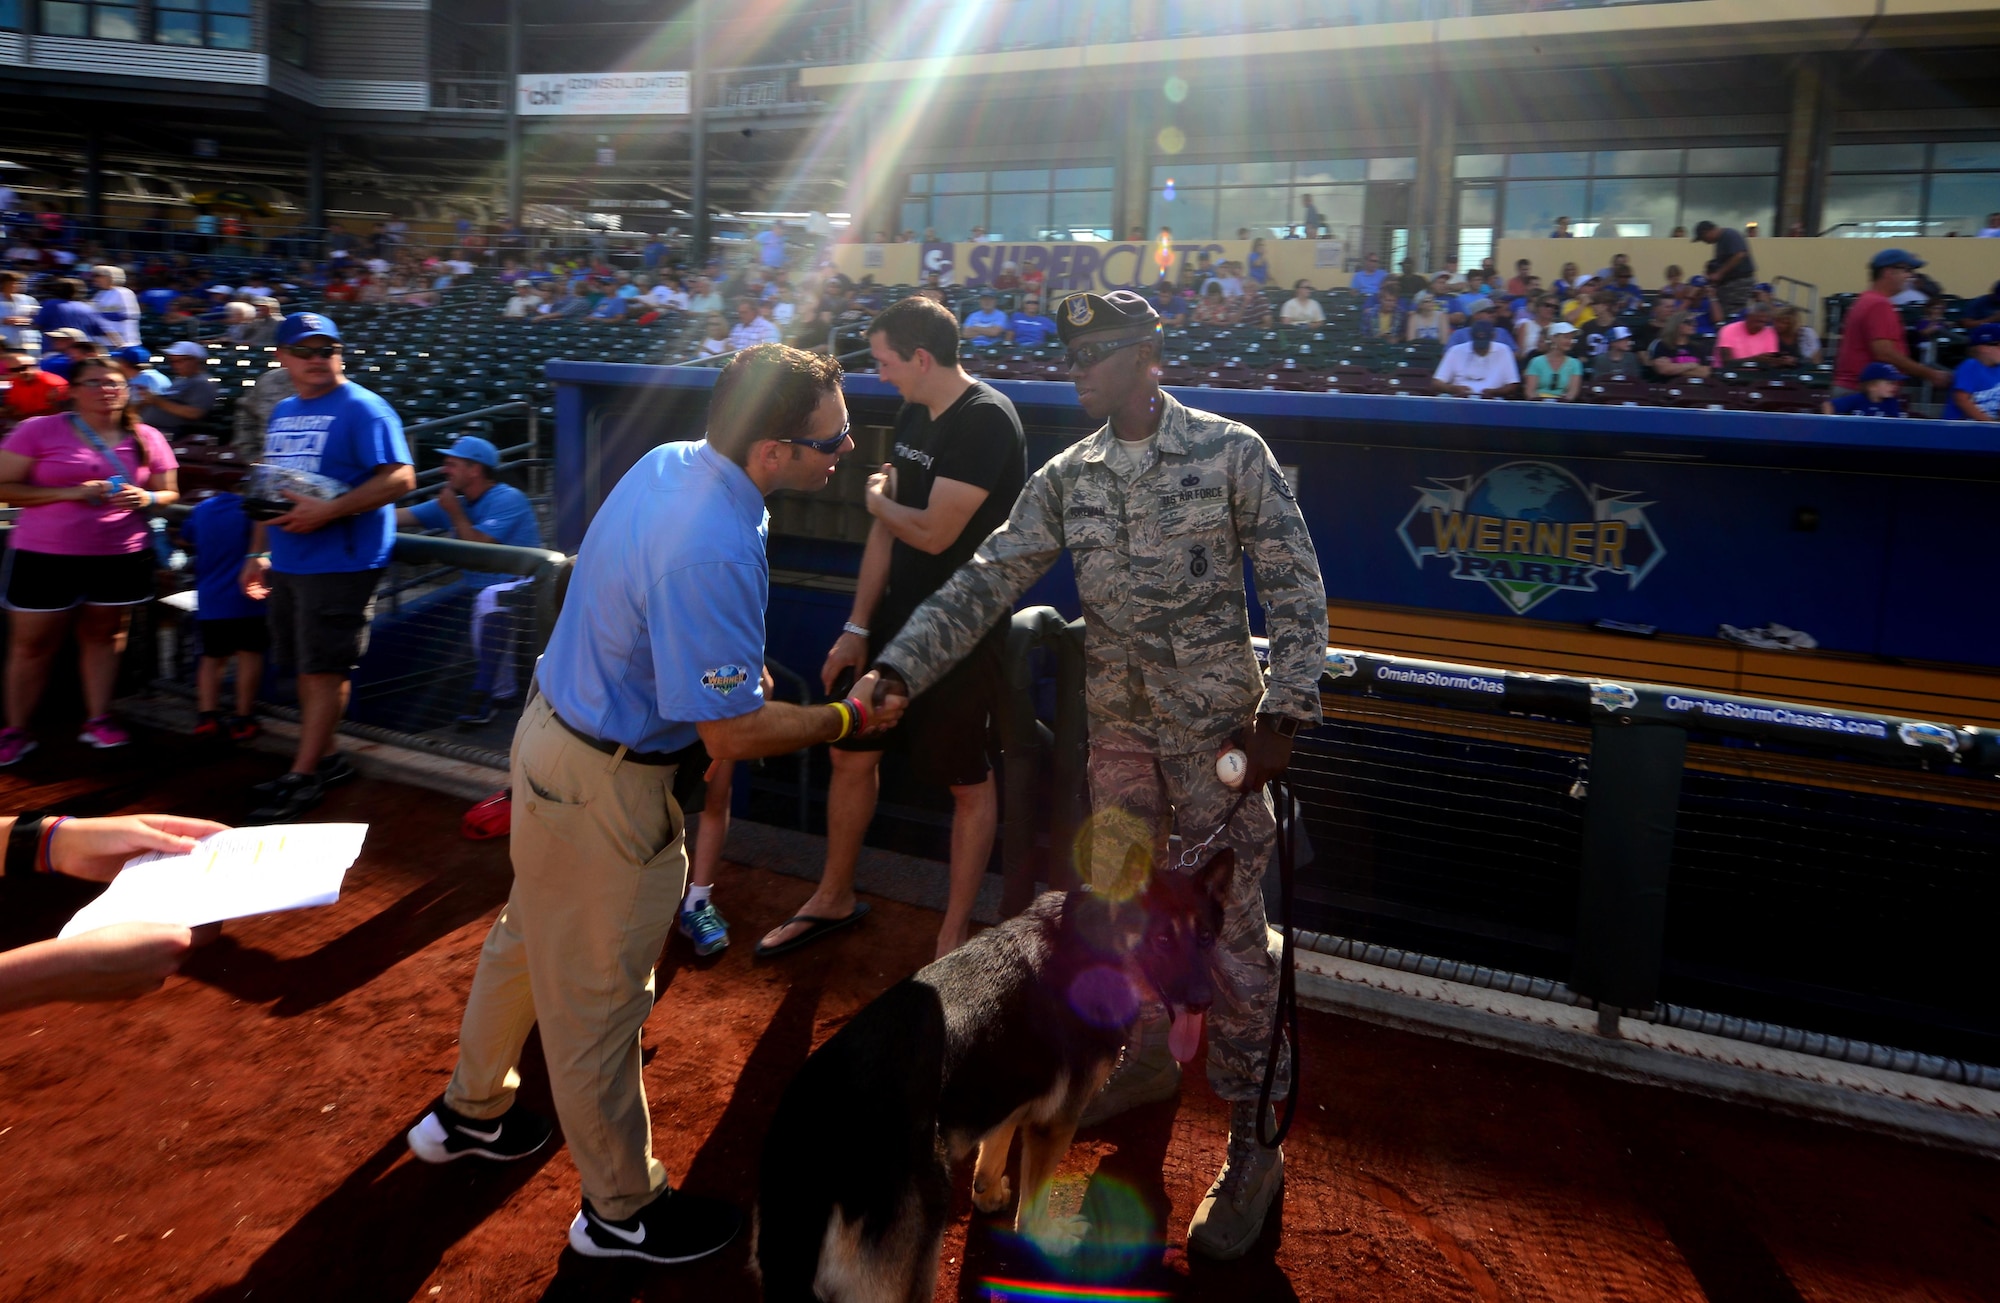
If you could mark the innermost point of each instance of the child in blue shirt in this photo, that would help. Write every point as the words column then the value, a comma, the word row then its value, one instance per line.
column 1975, row 386
column 231, row 625
column 1877, row 396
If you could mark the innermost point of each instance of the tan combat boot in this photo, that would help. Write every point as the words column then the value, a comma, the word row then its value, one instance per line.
column 1231, row 1216
column 1145, row 1075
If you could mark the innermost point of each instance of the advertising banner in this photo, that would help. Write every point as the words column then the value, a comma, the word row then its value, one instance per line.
column 603, row 94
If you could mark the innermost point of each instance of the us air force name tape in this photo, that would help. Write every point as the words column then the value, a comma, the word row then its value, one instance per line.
column 1106, row 318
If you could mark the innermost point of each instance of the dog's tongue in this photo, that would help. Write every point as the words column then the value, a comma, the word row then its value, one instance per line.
column 1184, row 1037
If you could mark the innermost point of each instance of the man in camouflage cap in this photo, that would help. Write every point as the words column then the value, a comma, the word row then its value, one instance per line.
column 1158, row 509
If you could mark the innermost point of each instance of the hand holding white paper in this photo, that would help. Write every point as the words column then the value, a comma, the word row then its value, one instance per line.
column 229, row 874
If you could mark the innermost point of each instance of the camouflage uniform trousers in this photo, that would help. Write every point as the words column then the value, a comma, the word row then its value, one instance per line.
column 1139, row 793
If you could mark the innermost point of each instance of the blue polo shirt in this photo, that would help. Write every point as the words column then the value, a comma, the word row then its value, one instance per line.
column 502, row 513
column 345, row 435
column 663, row 624
column 1031, row 332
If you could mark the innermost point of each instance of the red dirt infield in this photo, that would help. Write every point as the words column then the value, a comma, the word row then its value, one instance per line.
column 239, row 1134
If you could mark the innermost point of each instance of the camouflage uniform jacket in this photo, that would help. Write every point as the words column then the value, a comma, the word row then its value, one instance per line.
column 1159, row 566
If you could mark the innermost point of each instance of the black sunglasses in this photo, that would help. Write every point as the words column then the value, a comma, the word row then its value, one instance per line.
column 309, row 351
column 824, row 446
column 1085, row 356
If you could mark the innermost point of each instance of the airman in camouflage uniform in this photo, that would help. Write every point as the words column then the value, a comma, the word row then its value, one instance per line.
column 1158, row 527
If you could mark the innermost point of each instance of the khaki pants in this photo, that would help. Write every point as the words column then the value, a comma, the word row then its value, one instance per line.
column 599, row 864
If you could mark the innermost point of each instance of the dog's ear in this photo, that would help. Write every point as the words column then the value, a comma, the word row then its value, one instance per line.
column 1215, row 877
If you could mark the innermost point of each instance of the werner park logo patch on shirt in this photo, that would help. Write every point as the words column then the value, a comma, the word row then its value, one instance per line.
column 725, row 679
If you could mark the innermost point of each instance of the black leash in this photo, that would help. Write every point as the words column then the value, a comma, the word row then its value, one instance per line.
column 1285, row 1015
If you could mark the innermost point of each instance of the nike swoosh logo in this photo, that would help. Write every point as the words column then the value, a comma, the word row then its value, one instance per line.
column 630, row 1237
column 488, row 1136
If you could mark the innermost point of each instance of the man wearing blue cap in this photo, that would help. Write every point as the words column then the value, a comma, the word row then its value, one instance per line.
column 1975, row 386
column 1872, row 331
column 135, row 363
column 326, row 555
column 474, row 505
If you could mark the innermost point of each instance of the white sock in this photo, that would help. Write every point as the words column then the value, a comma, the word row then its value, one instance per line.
column 696, row 897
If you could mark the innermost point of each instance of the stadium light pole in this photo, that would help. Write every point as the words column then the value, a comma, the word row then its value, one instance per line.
column 514, row 168
column 698, row 137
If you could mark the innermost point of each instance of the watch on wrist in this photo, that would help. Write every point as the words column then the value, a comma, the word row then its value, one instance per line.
column 1285, row 726
column 853, row 628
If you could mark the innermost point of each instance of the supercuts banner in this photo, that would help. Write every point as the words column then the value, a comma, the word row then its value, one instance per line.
column 1070, row 268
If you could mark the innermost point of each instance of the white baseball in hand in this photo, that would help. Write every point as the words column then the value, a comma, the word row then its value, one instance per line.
column 1231, row 766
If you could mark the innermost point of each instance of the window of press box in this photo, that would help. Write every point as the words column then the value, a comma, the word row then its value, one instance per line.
column 291, row 32
column 1901, row 190
column 90, row 18
column 1016, row 204
column 217, row 24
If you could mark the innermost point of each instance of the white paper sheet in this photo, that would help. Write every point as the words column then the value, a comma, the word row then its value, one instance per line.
column 230, row 874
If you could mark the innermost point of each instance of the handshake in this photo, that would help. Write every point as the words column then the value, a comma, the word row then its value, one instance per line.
column 879, row 696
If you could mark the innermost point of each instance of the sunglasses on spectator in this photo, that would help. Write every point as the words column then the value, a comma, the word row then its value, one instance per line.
column 825, row 446
column 22, row 370
column 303, row 351
column 1085, row 356
column 102, row 382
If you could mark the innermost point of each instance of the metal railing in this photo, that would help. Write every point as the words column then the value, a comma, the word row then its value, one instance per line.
column 1799, row 876
column 425, row 656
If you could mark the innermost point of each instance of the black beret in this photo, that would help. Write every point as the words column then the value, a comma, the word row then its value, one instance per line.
column 1121, row 313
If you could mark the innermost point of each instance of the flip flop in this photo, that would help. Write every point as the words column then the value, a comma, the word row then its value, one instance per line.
column 820, row 927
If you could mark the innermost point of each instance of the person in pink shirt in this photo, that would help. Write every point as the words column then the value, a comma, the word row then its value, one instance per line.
column 1751, row 338
column 82, row 549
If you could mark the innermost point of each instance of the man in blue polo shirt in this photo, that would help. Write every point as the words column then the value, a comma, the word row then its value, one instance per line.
column 660, row 643
column 1028, row 328
column 475, row 506
column 1975, row 386
column 319, row 563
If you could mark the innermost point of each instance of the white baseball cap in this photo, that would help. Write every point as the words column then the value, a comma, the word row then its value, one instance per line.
column 1562, row 328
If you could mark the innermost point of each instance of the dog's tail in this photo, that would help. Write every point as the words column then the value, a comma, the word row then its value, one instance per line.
column 855, row 1134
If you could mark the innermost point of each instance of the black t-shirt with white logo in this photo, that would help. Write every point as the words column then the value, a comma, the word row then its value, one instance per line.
column 976, row 441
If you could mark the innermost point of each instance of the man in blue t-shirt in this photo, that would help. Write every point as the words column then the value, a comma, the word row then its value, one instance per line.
column 325, row 555
column 771, row 246
column 1369, row 281
column 1975, row 386
column 984, row 328
column 1029, row 328
column 475, row 506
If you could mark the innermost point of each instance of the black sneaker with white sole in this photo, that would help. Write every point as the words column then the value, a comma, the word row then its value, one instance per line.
column 443, row 1136
column 676, row 1227
column 332, row 769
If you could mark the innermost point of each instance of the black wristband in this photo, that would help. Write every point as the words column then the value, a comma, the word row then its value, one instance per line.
column 1283, row 725
column 23, row 843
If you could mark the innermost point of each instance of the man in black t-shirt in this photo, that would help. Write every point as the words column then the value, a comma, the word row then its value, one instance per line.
column 957, row 463
column 1732, row 270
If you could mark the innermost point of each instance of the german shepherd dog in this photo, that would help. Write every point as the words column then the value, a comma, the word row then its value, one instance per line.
column 1015, row 1029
